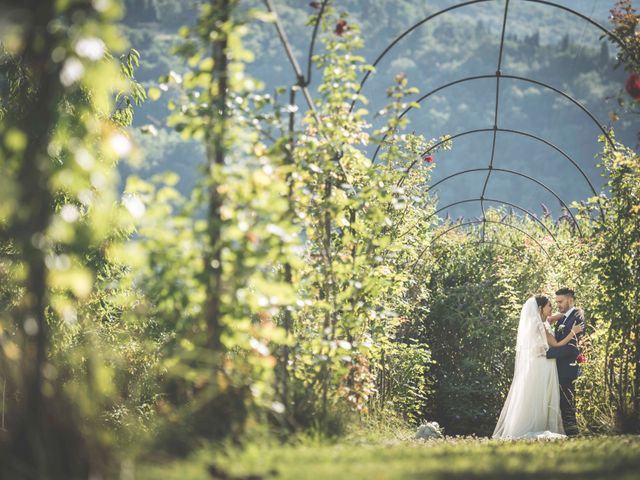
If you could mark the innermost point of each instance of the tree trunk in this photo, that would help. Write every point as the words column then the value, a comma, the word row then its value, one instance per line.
column 288, row 274
column 216, row 153
column 30, row 223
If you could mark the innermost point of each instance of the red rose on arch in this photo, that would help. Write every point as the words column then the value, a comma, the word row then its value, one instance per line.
column 581, row 358
column 341, row 27
column 428, row 158
column 633, row 86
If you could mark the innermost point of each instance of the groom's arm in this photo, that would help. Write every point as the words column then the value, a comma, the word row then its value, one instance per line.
column 575, row 319
column 566, row 351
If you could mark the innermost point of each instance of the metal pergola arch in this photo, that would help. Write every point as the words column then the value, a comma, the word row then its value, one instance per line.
column 515, row 77
column 482, row 222
column 302, row 82
column 530, row 214
column 516, row 132
column 498, row 75
column 466, row 4
column 513, row 172
column 522, row 254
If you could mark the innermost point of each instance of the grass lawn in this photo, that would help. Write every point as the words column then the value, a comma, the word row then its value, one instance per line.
column 585, row 458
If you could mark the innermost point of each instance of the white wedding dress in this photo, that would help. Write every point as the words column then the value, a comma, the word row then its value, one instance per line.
column 532, row 407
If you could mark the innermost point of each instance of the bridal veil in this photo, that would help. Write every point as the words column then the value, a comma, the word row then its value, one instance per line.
column 532, row 407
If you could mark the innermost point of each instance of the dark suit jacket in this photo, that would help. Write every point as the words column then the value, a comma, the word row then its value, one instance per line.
column 567, row 354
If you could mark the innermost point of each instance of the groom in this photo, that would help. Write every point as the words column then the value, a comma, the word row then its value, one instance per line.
column 565, row 356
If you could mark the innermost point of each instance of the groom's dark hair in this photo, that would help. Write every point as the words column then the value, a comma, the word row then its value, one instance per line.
column 566, row 291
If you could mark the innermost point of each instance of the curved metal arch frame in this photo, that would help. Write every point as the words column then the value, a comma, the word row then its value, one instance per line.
column 476, row 222
column 495, row 242
column 606, row 31
column 502, row 202
column 486, row 220
column 512, row 172
column 303, row 82
column 516, row 132
column 466, row 4
column 312, row 43
column 499, row 75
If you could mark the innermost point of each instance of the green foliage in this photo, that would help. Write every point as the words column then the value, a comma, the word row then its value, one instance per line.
column 357, row 280
column 211, row 265
column 61, row 318
column 625, row 21
column 135, row 94
column 298, row 286
column 464, row 42
column 471, row 320
column 615, row 259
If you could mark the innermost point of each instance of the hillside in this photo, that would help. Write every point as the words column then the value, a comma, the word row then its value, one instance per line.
column 542, row 43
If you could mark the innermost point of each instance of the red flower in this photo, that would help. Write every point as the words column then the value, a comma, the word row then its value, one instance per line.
column 581, row 358
column 341, row 27
column 633, row 86
column 428, row 158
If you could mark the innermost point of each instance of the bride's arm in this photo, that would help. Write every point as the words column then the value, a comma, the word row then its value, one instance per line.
column 554, row 318
column 554, row 343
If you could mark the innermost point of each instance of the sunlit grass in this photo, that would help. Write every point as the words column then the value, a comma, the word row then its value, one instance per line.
column 458, row 458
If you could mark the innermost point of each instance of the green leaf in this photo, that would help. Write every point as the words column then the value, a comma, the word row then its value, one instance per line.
column 154, row 93
column 15, row 140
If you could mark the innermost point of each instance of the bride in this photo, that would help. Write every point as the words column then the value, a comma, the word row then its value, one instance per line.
column 532, row 407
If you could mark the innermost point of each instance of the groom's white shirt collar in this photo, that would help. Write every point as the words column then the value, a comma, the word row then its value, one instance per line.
column 566, row 315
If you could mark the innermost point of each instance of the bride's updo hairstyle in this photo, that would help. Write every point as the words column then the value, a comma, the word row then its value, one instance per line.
column 542, row 300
